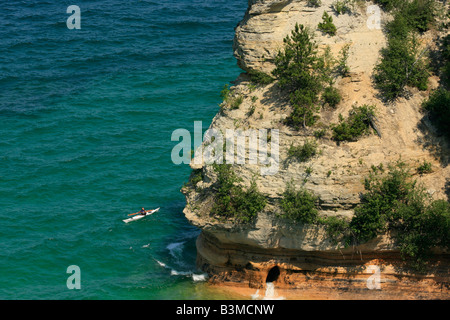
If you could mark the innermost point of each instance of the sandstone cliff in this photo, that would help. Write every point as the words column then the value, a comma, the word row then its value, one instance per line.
column 301, row 258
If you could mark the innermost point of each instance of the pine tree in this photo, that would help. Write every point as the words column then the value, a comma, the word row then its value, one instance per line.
column 300, row 70
column 327, row 25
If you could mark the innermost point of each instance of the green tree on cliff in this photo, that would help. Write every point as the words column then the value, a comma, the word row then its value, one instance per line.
column 300, row 71
column 231, row 200
column 327, row 25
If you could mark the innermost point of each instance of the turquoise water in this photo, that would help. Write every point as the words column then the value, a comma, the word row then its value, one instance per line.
column 85, row 138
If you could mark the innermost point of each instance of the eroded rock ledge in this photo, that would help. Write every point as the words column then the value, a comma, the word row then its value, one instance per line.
column 300, row 259
column 319, row 274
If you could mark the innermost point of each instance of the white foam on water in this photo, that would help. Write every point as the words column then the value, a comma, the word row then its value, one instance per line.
column 162, row 264
column 199, row 277
column 174, row 272
column 175, row 249
column 270, row 292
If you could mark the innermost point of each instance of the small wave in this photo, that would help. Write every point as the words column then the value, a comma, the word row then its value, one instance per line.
column 162, row 264
column 199, row 277
column 195, row 277
column 269, row 294
column 175, row 249
column 173, row 272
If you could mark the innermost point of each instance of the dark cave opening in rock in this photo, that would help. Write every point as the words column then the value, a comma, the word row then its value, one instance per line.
column 273, row 274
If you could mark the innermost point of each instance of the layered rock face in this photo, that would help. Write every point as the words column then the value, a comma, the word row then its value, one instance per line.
column 259, row 36
column 300, row 258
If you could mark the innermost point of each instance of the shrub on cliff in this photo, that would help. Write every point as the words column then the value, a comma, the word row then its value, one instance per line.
column 327, row 25
column 342, row 68
column 331, row 96
column 300, row 71
column 196, row 177
column 236, row 102
column 260, row 77
column 395, row 202
column 403, row 61
column 357, row 124
column 299, row 205
column 388, row 5
column 335, row 227
column 438, row 108
column 230, row 98
column 342, row 6
column 425, row 168
column 225, row 93
column 304, row 152
column 402, row 64
column 231, row 200
column 314, row 3
column 420, row 14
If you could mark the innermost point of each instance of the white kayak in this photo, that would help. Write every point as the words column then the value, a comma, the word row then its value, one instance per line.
column 140, row 216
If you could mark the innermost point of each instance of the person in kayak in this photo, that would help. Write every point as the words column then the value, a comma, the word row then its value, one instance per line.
column 143, row 212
